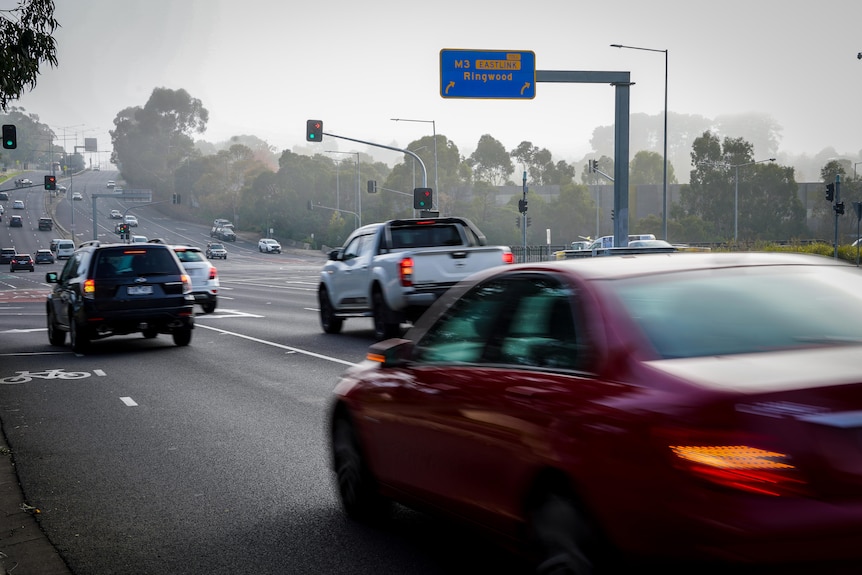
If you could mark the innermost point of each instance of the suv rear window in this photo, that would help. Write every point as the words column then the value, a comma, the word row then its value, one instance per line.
column 130, row 261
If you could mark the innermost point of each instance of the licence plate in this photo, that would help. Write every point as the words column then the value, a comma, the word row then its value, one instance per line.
column 140, row 290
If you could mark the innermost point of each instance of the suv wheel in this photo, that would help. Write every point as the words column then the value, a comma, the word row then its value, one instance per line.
column 182, row 336
column 56, row 336
column 209, row 307
column 80, row 341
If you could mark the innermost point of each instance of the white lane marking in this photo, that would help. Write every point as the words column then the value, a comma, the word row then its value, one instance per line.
column 128, row 401
column 278, row 345
column 99, row 372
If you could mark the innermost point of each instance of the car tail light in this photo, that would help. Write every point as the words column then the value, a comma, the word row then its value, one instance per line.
column 508, row 258
column 406, row 272
column 187, row 283
column 213, row 273
column 89, row 288
column 734, row 460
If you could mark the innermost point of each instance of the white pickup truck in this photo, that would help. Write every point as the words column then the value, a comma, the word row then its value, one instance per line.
column 393, row 271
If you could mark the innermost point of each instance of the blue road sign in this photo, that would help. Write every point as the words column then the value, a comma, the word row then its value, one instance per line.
column 502, row 74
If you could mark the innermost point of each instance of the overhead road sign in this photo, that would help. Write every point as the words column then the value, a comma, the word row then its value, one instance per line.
column 492, row 74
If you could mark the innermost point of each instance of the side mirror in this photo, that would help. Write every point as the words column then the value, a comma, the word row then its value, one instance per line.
column 335, row 254
column 51, row 277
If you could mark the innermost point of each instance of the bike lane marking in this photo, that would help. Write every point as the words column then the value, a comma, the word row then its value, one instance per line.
column 128, row 401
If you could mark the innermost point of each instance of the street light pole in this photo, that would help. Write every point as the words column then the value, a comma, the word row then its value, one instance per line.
column 664, row 156
column 736, row 193
column 358, row 176
column 434, row 132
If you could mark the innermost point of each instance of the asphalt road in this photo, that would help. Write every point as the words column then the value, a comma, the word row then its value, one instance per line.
column 143, row 457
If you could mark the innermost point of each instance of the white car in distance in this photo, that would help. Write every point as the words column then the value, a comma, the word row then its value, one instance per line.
column 269, row 245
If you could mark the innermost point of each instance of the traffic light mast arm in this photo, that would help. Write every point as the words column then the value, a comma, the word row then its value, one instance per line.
column 417, row 158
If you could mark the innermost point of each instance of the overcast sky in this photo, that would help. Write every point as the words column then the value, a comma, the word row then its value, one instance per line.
column 263, row 67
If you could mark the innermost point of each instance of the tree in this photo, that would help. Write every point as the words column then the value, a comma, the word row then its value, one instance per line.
column 491, row 163
column 25, row 43
column 152, row 141
column 736, row 194
column 647, row 168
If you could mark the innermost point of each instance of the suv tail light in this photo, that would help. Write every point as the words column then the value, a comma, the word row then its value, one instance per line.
column 213, row 273
column 187, row 283
column 89, row 288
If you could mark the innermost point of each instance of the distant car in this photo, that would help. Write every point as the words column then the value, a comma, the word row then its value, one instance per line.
column 689, row 408
column 216, row 251
column 6, row 255
column 16, row 222
column 269, row 245
column 139, row 239
column 61, row 189
column 96, row 168
column 226, row 234
column 77, row 196
column 22, row 182
column 111, row 184
column 4, row 197
column 18, row 205
column 205, row 283
column 46, row 224
column 131, row 220
column 21, row 262
column 116, row 215
column 650, row 244
column 44, row 256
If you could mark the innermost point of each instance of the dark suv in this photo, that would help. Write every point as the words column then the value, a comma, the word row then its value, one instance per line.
column 118, row 289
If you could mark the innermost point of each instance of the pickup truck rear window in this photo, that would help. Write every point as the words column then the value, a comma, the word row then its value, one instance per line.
column 426, row 237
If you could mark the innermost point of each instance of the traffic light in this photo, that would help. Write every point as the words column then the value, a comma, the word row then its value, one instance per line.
column 124, row 231
column 372, row 186
column 422, row 198
column 593, row 165
column 522, row 206
column 50, row 182
column 177, row 199
column 839, row 208
column 613, row 214
column 314, row 130
column 830, row 192
column 10, row 137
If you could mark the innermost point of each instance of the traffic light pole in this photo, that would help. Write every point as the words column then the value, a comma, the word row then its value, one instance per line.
column 415, row 157
column 837, row 211
column 524, row 215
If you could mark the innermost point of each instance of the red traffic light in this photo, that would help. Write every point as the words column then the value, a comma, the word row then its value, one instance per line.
column 50, row 182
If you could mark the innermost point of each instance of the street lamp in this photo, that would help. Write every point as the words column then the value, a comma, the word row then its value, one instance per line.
column 434, row 132
column 358, row 194
column 414, row 163
column 736, row 192
column 664, row 168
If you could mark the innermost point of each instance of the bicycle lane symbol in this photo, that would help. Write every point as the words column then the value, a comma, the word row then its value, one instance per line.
column 25, row 376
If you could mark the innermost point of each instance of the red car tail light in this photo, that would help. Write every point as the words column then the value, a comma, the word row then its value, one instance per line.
column 213, row 273
column 406, row 272
column 508, row 258
column 736, row 461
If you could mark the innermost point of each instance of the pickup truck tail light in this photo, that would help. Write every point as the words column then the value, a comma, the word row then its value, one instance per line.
column 508, row 258
column 406, row 272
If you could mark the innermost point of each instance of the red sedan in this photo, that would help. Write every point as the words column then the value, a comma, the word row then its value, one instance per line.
column 680, row 406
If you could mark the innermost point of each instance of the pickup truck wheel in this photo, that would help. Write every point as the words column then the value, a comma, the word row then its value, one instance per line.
column 328, row 321
column 383, row 327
